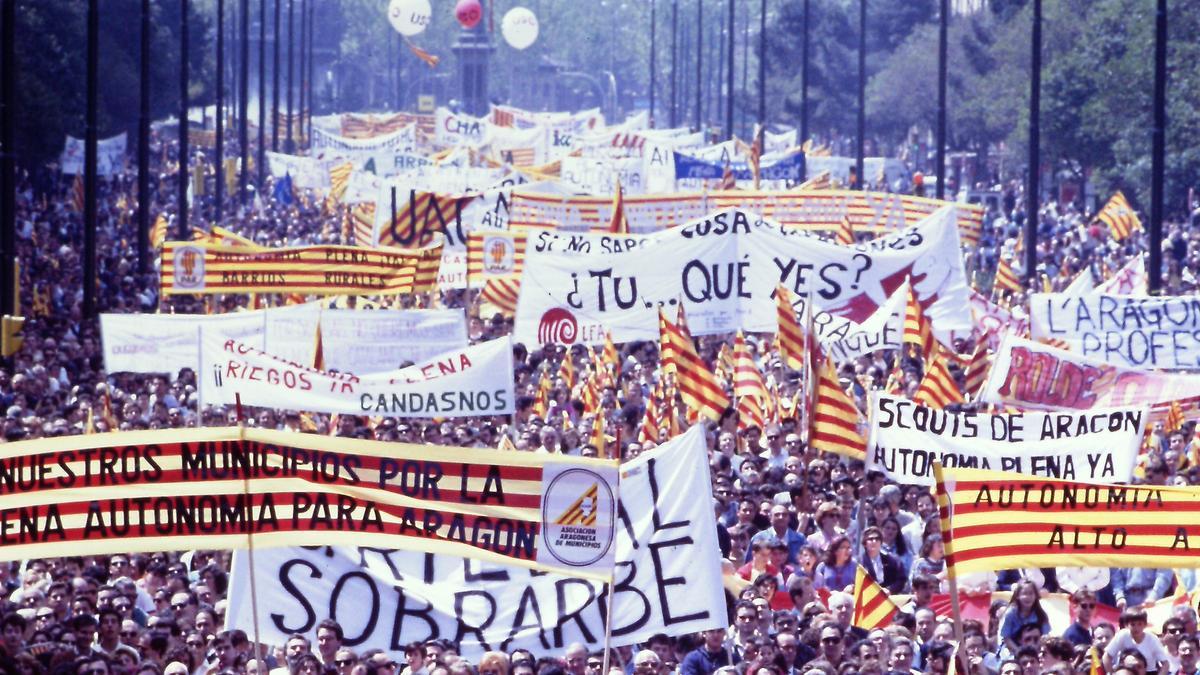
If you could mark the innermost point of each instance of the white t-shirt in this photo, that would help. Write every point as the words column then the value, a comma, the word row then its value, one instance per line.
column 1150, row 647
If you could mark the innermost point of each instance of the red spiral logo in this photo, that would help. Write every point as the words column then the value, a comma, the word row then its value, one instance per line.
column 557, row 325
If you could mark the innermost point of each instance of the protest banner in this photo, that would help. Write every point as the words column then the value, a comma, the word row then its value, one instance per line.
column 452, row 275
column 844, row 339
column 992, row 321
column 1034, row 375
column 600, row 176
column 906, row 438
column 1122, row 330
column 228, row 488
column 455, row 129
column 784, row 166
column 996, row 520
column 725, row 269
column 464, row 382
column 306, row 172
column 322, row 270
column 329, row 146
column 354, row 125
column 110, row 155
column 667, row 579
column 874, row 212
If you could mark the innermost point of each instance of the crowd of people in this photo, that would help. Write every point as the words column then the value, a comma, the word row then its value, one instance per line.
column 794, row 523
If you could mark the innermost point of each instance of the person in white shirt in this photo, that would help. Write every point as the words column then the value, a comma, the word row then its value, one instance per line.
column 1133, row 635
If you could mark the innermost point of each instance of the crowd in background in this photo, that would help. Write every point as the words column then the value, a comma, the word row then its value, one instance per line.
column 793, row 523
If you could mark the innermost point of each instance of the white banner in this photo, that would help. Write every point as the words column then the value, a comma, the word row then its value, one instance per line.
column 599, row 176
column 992, row 322
column 1124, row 330
column 452, row 275
column 306, row 172
column 844, row 339
column 110, row 155
column 353, row 341
column 1099, row 445
column 465, row 382
column 725, row 269
column 667, row 580
column 455, row 129
column 386, row 155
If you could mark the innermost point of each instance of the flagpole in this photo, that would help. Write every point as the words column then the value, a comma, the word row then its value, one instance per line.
column 608, row 614
column 951, row 574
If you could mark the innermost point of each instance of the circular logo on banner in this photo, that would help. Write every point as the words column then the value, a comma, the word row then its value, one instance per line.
column 498, row 255
column 557, row 325
column 578, row 517
column 189, row 267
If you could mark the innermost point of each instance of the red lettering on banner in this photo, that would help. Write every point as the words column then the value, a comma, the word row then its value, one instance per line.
column 432, row 371
column 1043, row 379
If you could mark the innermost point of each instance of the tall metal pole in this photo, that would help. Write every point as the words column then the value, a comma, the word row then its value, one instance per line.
column 762, row 60
column 275, row 83
column 181, row 223
column 1035, row 132
column 89, row 160
column 943, row 26
column 302, row 76
column 653, row 61
column 289, row 145
column 699, row 62
column 262, row 92
column 8, row 173
column 862, row 93
column 244, row 101
column 312, row 6
column 143, row 157
column 729, row 96
column 674, row 62
column 219, row 183
column 804, row 136
column 1159, row 149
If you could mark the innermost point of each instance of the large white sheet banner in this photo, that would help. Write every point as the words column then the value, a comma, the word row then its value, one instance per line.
column 306, row 172
column 454, row 129
column 353, row 341
column 667, row 580
column 1124, row 330
column 725, row 269
column 1098, row 445
column 110, row 155
column 844, row 339
column 466, row 382
column 327, row 145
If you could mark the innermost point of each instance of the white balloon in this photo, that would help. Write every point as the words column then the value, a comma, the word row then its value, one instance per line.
column 519, row 27
column 409, row 17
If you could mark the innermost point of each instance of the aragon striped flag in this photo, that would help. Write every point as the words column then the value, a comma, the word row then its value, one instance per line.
column 617, row 222
column 835, row 418
column 790, row 337
column 937, row 388
column 1119, row 216
column 697, row 385
column 1006, row 279
column 502, row 294
column 996, row 520
column 976, row 371
column 917, row 331
column 747, row 380
column 845, row 232
column 872, row 606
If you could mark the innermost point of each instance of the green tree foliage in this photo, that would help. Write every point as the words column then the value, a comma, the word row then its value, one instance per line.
column 51, row 82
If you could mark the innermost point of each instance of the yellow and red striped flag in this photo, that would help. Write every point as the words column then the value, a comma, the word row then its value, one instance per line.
column 617, row 222
column 1119, row 216
column 158, row 232
column 502, row 294
column 917, row 331
column 747, row 380
column 821, row 181
column 695, row 381
column 728, row 182
column 541, row 398
column 566, row 370
column 1006, row 279
column 428, row 59
column 976, row 371
column 652, row 419
column 937, row 388
column 750, row 414
column 845, row 232
column 835, row 417
column 598, row 439
column 339, row 179
column 1174, row 419
column 610, row 356
column 872, row 606
column 998, row 520
column 790, row 337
